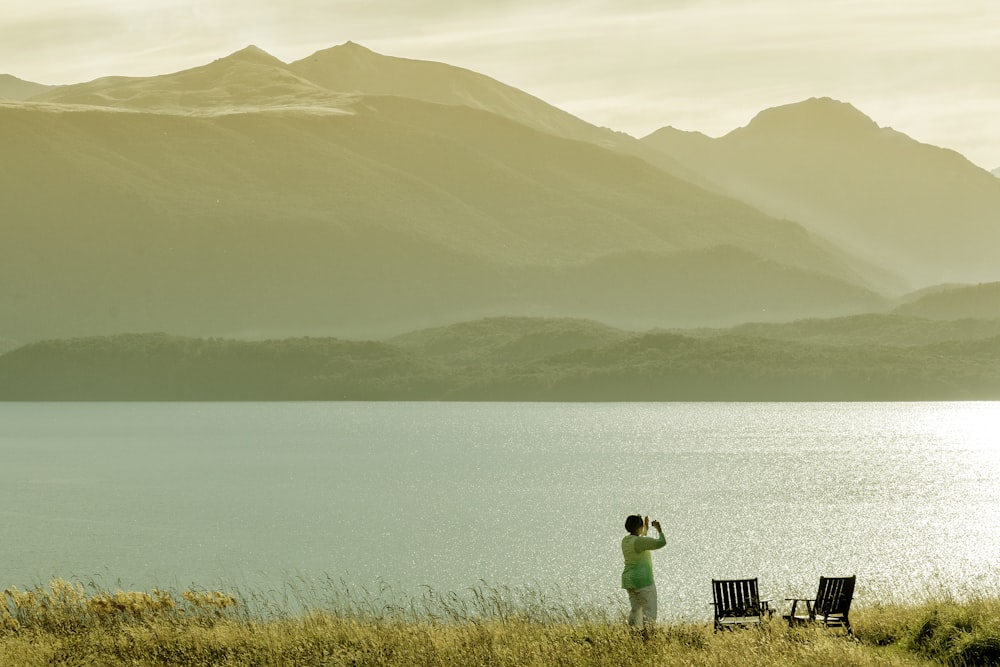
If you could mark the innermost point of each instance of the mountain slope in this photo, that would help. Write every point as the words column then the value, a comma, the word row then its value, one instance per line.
column 351, row 67
column 333, row 78
column 893, row 330
column 968, row 301
column 921, row 211
column 397, row 215
column 12, row 88
column 248, row 79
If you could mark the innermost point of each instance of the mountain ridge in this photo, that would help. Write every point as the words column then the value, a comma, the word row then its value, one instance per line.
column 398, row 214
column 351, row 67
column 323, row 76
column 252, row 195
column 957, row 302
column 15, row 89
column 834, row 116
column 922, row 211
column 248, row 79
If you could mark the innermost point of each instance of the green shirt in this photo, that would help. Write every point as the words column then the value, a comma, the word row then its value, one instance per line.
column 638, row 572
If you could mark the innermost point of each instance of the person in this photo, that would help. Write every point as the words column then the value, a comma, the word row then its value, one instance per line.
column 637, row 577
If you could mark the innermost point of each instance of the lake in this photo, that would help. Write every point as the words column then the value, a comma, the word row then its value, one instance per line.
column 449, row 495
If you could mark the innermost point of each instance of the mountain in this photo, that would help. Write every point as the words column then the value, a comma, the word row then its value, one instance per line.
column 247, row 80
column 351, row 67
column 13, row 89
column 967, row 301
column 996, row 172
column 242, row 199
column 334, row 78
column 252, row 77
column 922, row 212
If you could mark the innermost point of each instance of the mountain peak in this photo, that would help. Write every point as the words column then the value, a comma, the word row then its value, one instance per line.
column 353, row 46
column 253, row 54
column 670, row 130
column 814, row 113
column 341, row 53
column 352, row 68
column 673, row 141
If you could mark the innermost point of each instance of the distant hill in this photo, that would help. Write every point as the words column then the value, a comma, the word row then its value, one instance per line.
column 970, row 301
column 7, row 345
column 506, row 339
column 996, row 172
column 162, row 367
column 892, row 330
column 920, row 293
column 521, row 359
column 13, row 89
column 242, row 199
column 919, row 211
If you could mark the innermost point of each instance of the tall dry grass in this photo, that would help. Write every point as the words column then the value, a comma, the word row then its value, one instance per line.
column 67, row 623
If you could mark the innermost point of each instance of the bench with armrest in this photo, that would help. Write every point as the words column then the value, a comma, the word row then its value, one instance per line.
column 737, row 603
column 831, row 606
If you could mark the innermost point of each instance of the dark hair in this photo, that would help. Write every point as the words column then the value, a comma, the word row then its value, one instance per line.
column 633, row 522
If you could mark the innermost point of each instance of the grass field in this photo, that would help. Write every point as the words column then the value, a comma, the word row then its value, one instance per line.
column 68, row 623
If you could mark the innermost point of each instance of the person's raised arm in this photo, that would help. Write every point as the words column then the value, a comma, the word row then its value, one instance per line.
column 650, row 543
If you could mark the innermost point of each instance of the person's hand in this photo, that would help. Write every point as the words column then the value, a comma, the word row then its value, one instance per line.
column 656, row 525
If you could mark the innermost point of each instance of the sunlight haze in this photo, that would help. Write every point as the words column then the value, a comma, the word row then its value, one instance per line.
column 924, row 68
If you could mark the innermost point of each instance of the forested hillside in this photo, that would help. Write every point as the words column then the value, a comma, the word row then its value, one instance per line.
column 521, row 359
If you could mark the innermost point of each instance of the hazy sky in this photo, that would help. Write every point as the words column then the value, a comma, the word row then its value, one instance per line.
column 929, row 68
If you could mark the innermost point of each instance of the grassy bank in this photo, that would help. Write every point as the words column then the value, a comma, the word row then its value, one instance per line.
column 67, row 624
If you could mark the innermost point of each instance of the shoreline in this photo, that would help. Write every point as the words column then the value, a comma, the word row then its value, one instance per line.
column 64, row 623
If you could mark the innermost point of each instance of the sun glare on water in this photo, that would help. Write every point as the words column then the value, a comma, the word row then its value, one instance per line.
column 968, row 425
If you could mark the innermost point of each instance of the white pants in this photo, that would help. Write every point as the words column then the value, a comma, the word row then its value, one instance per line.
column 643, row 605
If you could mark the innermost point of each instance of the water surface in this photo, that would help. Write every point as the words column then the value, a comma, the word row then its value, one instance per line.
column 446, row 495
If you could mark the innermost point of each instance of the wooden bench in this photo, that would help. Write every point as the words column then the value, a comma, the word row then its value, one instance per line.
column 737, row 603
column 831, row 606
